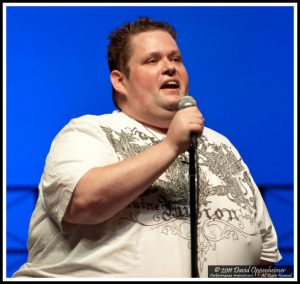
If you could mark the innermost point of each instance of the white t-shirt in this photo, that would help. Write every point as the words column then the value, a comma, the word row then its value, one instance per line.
column 151, row 236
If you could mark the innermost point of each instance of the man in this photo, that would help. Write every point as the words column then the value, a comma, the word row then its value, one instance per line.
column 114, row 195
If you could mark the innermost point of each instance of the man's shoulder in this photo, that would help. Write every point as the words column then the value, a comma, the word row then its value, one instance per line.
column 94, row 119
column 214, row 135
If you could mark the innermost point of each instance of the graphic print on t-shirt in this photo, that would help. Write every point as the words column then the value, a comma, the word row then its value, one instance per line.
column 221, row 175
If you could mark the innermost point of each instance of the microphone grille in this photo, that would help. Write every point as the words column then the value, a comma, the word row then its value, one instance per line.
column 186, row 101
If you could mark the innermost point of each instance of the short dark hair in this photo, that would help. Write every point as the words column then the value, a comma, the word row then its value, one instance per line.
column 119, row 50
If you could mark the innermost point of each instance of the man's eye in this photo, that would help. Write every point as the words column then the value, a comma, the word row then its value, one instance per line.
column 177, row 58
column 151, row 61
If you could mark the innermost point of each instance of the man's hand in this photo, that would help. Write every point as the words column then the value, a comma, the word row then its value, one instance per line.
column 186, row 121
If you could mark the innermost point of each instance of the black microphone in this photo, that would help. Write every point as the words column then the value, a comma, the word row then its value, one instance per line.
column 188, row 101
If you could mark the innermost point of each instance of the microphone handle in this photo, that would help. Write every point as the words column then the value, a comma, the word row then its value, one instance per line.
column 193, row 206
column 194, row 140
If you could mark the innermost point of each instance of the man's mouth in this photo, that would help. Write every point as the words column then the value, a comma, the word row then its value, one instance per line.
column 170, row 84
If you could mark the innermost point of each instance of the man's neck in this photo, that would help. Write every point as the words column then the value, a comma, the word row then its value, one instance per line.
column 157, row 129
column 153, row 127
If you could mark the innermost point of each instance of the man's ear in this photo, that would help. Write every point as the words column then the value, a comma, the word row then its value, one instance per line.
column 118, row 82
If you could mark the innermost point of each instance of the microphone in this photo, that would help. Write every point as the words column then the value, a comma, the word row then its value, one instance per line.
column 188, row 101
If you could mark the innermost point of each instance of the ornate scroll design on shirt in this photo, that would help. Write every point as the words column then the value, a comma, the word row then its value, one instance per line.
column 222, row 174
column 171, row 216
column 163, row 220
column 168, row 197
column 132, row 141
column 215, row 229
column 224, row 165
column 231, row 181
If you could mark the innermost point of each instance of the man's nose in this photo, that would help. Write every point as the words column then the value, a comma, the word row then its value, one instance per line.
column 168, row 67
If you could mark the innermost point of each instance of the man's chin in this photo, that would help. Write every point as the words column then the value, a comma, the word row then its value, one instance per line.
column 172, row 104
column 172, row 108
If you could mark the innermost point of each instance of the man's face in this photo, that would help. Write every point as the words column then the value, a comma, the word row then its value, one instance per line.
column 157, row 79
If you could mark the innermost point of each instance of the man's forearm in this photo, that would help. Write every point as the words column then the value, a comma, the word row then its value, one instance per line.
column 104, row 191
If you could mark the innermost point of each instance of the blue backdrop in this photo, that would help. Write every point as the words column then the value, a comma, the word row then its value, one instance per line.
column 241, row 67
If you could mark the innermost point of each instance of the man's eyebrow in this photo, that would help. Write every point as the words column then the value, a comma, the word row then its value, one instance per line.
column 153, row 54
column 175, row 52
column 158, row 54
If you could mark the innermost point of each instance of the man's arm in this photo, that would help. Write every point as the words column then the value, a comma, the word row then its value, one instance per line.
column 104, row 191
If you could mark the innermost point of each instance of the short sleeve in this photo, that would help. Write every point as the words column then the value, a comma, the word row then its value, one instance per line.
column 80, row 146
